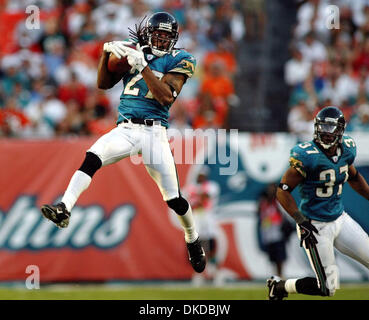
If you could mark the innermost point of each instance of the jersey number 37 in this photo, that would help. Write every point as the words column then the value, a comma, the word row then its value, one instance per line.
column 329, row 175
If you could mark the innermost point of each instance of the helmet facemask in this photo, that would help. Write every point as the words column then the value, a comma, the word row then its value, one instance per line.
column 328, row 131
column 161, row 43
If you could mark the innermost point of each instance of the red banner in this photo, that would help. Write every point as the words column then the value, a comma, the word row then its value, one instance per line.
column 120, row 228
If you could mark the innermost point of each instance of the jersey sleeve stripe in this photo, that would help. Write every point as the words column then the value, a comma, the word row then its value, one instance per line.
column 184, row 71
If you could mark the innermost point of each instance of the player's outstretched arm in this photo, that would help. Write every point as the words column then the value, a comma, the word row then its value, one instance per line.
column 357, row 182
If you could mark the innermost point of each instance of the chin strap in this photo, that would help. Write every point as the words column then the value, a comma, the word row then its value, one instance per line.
column 327, row 146
column 158, row 53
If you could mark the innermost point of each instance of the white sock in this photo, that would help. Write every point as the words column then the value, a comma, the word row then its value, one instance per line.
column 188, row 225
column 78, row 183
column 290, row 285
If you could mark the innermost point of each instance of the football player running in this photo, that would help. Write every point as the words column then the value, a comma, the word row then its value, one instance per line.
column 149, row 89
column 320, row 168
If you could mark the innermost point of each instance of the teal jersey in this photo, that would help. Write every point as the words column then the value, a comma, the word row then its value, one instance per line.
column 321, row 190
column 136, row 100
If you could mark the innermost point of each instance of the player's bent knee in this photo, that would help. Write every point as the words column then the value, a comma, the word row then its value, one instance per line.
column 179, row 205
column 332, row 281
column 327, row 292
column 332, row 292
column 91, row 164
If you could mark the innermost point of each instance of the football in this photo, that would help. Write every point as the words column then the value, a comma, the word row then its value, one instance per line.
column 117, row 65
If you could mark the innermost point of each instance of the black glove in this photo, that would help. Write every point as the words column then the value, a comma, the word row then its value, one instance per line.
column 306, row 232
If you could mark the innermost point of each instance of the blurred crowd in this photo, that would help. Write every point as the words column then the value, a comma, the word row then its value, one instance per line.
column 329, row 64
column 48, row 67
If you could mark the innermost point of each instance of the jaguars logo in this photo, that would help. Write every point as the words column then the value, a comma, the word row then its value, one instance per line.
column 186, row 67
column 297, row 164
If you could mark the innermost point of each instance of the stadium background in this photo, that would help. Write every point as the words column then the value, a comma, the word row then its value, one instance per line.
column 264, row 68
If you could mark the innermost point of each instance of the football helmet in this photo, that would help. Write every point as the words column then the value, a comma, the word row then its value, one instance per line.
column 329, row 126
column 164, row 42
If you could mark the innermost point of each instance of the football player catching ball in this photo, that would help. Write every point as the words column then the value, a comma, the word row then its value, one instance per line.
column 151, row 86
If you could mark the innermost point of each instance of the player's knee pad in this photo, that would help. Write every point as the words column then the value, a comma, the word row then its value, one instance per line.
column 179, row 205
column 91, row 164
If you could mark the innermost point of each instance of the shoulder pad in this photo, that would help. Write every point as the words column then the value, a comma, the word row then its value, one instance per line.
column 349, row 146
column 302, row 156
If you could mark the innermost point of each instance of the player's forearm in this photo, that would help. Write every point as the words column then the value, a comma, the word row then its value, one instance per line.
column 288, row 203
column 160, row 90
column 360, row 186
column 105, row 79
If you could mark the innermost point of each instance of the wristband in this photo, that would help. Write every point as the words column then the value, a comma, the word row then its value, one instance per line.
column 299, row 217
column 284, row 187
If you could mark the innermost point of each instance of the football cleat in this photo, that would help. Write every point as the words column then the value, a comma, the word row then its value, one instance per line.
column 57, row 214
column 196, row 255
column 276, row 288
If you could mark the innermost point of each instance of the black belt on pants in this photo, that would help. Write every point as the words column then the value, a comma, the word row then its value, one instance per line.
column 146, row 122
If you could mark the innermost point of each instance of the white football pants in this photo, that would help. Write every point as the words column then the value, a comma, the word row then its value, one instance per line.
column 129, row 139
column 344, row 234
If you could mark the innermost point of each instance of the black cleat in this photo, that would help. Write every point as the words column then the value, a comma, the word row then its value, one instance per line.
column 196, row 255
column 276, row 288
column 57, row 214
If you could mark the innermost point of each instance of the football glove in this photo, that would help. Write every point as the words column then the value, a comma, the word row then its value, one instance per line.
column 136, row 58
column 117, row 48
column 306, row 234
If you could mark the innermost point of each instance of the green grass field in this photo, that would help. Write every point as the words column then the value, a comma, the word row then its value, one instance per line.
column 160, row 292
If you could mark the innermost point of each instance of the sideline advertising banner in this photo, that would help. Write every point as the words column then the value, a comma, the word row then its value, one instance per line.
column 121, row 229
